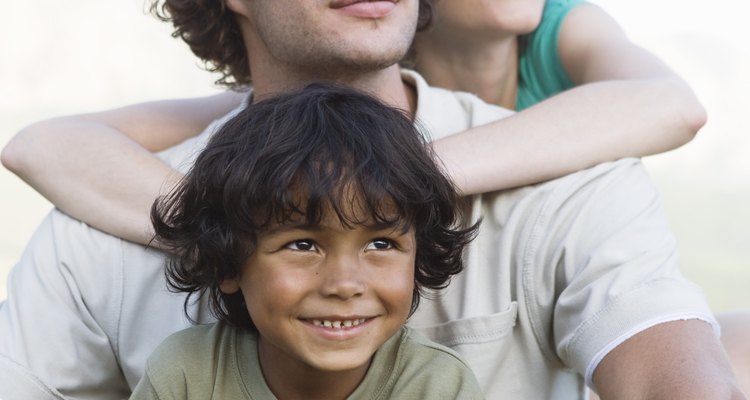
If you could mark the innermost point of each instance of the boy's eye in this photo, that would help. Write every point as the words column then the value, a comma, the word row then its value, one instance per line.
column 380, row 244
column 301, row 245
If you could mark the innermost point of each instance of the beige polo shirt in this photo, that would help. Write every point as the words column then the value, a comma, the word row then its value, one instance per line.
column 561, row 273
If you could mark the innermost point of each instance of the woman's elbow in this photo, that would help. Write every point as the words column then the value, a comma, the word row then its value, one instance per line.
column 15, row 153
column 691, row 112
column 695, row 117
column 28, row 150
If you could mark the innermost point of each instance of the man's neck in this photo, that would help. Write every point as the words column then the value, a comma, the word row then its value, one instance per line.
column 385, row 84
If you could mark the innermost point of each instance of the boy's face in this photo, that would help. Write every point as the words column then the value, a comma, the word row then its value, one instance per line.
column 327, row 296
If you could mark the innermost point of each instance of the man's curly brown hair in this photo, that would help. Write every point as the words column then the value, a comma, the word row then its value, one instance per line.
column 210, row 29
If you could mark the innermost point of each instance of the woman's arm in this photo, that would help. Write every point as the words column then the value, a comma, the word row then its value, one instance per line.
column 99, row 167
column 628, row 103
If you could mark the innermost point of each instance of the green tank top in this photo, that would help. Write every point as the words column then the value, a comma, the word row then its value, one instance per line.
column 540, row 71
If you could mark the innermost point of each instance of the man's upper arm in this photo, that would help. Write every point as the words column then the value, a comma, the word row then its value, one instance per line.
column 679, row 360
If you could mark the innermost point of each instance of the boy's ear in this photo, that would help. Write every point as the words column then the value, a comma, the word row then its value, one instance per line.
column 229, row 286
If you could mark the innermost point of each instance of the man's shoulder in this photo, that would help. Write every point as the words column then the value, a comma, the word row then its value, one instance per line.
column 606, row 194
column 626, row 178
column 625, row 174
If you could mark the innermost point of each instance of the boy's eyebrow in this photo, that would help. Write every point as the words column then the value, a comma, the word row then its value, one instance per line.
column 304, row 226
column 381, row 226
column 280, row 228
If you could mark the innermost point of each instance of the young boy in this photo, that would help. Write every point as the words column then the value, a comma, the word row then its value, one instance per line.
column 311, row 222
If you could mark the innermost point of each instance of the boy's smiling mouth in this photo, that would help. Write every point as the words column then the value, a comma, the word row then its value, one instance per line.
column 338, row 324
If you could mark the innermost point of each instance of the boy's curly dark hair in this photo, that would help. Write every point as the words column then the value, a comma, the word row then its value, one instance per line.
column 210, row 29
column 322, row 141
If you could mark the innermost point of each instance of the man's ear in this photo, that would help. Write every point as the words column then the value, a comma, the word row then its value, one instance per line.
column 230, row 286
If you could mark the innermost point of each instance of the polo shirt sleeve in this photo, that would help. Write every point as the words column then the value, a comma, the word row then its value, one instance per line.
column 605, row 264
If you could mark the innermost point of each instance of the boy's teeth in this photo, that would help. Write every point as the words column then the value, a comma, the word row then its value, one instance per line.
column 338, row 324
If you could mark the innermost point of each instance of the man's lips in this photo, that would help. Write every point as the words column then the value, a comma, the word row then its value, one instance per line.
column 364, row 9
column 346, row 3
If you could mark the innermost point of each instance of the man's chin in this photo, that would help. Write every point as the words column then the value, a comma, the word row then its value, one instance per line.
column 353, row 66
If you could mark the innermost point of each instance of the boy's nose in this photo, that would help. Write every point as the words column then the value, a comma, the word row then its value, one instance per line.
column 344, row 277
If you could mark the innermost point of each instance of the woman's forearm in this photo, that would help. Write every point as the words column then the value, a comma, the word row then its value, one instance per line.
column 579, row 128
column 91, row 172
column 99, row 167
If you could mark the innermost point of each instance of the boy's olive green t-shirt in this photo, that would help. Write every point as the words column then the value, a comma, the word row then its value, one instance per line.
column 218, row 361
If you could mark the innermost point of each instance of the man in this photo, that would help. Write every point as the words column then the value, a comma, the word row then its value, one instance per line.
column 568, row 279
